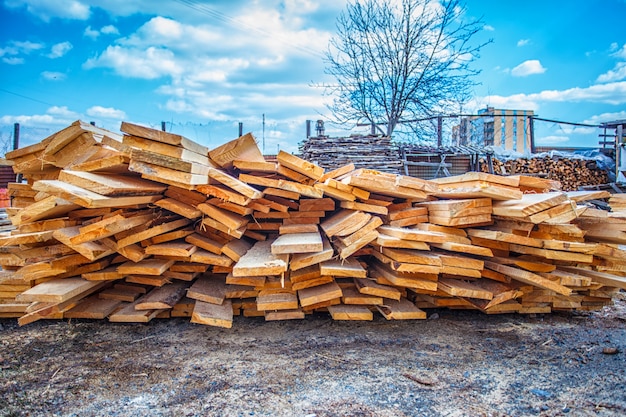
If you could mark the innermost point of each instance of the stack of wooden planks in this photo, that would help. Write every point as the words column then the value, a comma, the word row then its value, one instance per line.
column 371, row 151
column 147, row 224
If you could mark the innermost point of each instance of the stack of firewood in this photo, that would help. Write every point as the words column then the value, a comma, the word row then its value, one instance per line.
column 150, row 224
column 572, row 173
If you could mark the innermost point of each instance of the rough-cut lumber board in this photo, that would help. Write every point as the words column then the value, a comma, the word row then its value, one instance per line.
column 343, row 268
column 92, row 307
column 163, row 137
column 601, row 277
column 168, row 162
column 237, row 185
column 228, row 219
column 236, row 248
column 151, row 232
column 175, row 248
column 111, row 184
column 505, row 237
column 370, row 287
column 297, row 243
column 293, row 314
column 206, row 257
column 260, row 260
column 401, row 309
column 345, row 222
column 300, row 165
column 414, row 234
column 208, row 288
column 243, row 148
column 352, row 296
column 205, row 243
column 150, row 266
column 528, row 205
column 128, row 314
column 89, row 199
column 91, row 250
column 350, row 312
column 302, row 260
column 109, row 227
column 179, row 207
column 47, row 208
column 423, row 279
column 164, row 297
column 347, row 250
column 528, row 278
column 26, row 238
column 156, row 171
column 394, row 242
column 479, row 176
column 165, row 149
column 58, row 290
column 282, row 300
column 459, row 288
column 464, row 248
column 319, row 294
column 478, row 189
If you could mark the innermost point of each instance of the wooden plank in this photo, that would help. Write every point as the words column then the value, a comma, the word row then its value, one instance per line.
column 243, row 148
column 163, row 137
column 164, row 297
column 300, row 165
column 350, row 312
column 180, row 208
column 260, row 260
column 111, row 184
column 128, row 314
column 165, row 149
column 345, row 222
column 93, row 307
column 234, row 183
column 370, row 287
column 209, row 289
column 528, row 278
column 297, row 243
column 343, row 268
column 228, row 219
column 91, row 250
column 151, row 232
column 528, row 205
column 152, row 266
column 319, row 294
column 89, row 199
column 158, row 172
column 57, row 291
column 401, row 309
column 169, row 162
column 175, row 248
column 47, row 208
column 459, row 288
column 282, row 300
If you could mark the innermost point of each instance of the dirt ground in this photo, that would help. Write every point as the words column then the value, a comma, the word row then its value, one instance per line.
column 456, row 363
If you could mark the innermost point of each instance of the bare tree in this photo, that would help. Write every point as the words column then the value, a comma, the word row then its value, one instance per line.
column 401, row 60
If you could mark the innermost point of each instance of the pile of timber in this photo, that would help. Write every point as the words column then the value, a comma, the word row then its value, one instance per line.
column 572, row 173
column 369, row 152
column 148, row 224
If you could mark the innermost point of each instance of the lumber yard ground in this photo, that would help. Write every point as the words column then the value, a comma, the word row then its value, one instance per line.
column 456, row 363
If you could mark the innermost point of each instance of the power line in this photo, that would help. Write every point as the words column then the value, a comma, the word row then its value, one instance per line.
column 238, row 24
column 26, row 97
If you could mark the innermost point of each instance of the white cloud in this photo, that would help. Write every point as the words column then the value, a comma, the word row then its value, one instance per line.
column 606, row 117
column 620, row 53
column 55, row 115
column 13, row 60
column 530, row 67
column 489, row 28
column 60, row 49
column 106, row 112
column 48, row 9
column 148, row 64
column 616, row 74
column 53, row 75
column 523, row 42
column 91, row 33
column 551, row 140
column 105, row 30
column 610, row 93
column 109, row 30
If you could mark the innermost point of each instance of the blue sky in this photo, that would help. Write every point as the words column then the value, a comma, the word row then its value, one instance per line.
column 204, row 66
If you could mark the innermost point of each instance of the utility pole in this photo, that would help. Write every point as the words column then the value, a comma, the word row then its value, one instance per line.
column 439, row 130
column 16, row 136
column 240, row 129
column 163, row 126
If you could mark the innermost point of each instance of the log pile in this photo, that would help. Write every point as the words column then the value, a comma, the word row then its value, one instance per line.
column 149, row 224
column 371, row 152
column 570, row 172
